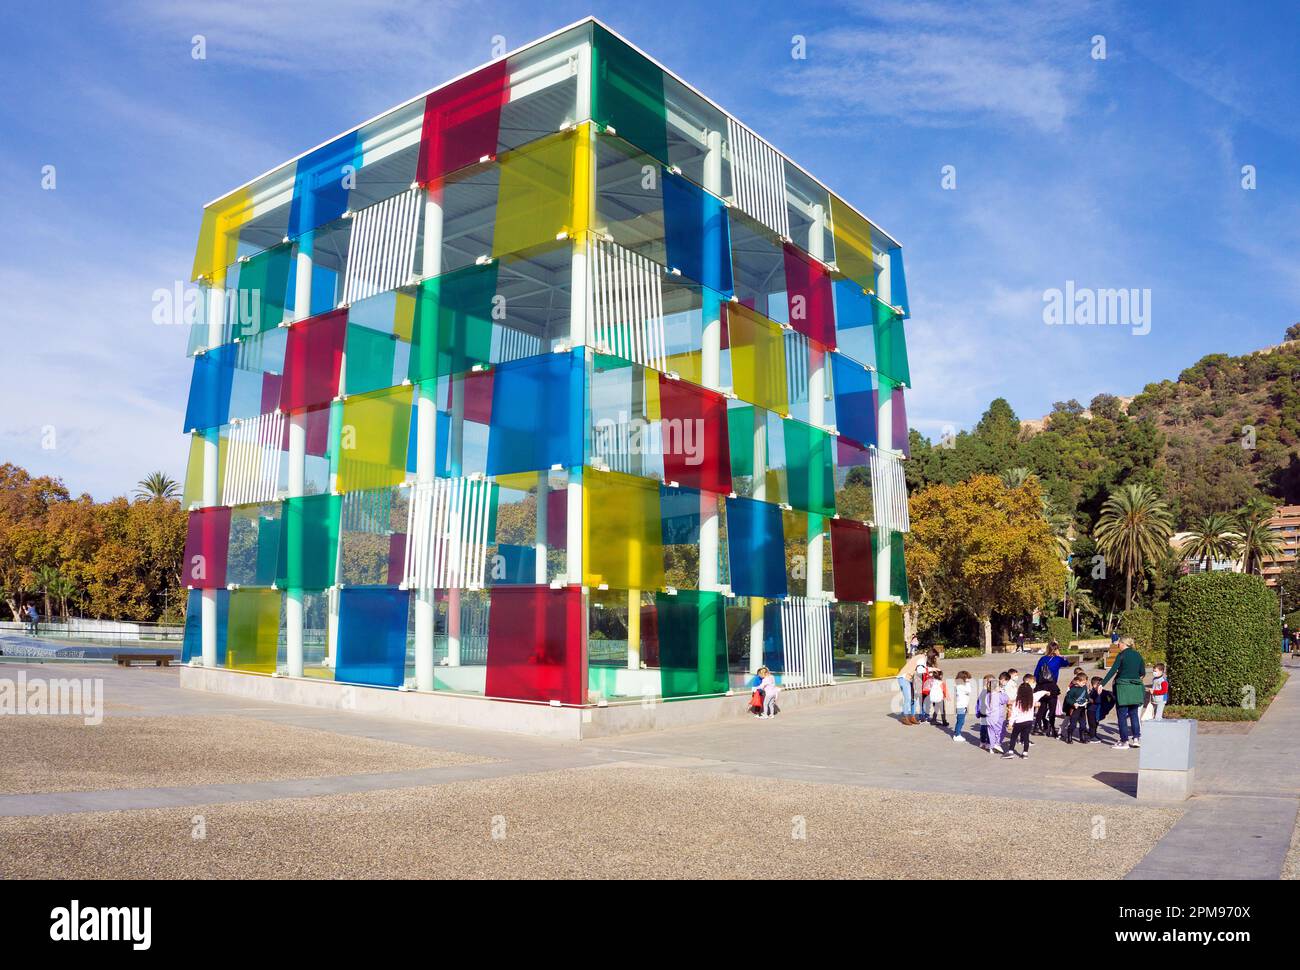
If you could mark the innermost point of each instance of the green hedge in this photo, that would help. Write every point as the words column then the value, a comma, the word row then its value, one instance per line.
column 1224, row 635
column 1137, row 623
column 1160, row 629
column 1060, row 630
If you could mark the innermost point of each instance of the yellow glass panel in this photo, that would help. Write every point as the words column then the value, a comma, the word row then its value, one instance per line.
column 372, row 439
column 253, row 630
column 757, row 359
column 853, row 245
column 219, row 236
column 193, row 491
column 650, row 394
column 404, row 316
column 621, row 531
column 545, row 190
column 689, row 365
column 887, row 649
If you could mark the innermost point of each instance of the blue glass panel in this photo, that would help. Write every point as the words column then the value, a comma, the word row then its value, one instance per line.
column 372, row 636
column 517, row 566
column 320, row 184
column 773, row 638
column 537, row 414
column 855, row 412
column 209, row 403
column 854, row 316
column 696, row 235
column 679, row 514
column 755, row 548
column 898, row 282
column 192, row 646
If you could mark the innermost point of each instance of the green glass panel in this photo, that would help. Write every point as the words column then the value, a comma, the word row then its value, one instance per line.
column 628, row 94
column 897, row 567
column 810, row 468
column 891, row 346
column 253, row 631
column 262, row 291
column 692, row 643
column 740, row 432
column 370, row 357
column 309, row 536
column 453, row 322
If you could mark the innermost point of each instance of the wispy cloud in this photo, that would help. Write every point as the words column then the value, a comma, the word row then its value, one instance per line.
column 949, row 65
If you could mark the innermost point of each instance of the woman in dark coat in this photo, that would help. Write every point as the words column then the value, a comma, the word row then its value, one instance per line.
column 1128, row 671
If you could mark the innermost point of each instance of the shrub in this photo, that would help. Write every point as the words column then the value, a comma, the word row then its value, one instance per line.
column 1217, row 712
column 1160, row 629
column 1224, row 636
column 1059, row 629
column 1137, row 623
column 961, row 653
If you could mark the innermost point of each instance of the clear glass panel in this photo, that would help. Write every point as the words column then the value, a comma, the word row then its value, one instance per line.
column 853, row 481
column 373, row 537
column 758, row 267
column 523, row 539
column 809, row 208
column 624, row 414
column 254, row 544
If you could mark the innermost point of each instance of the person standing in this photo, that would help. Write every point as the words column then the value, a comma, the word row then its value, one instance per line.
column 913, row 645
column 911, row 697
column 1130, row 692
column 33, row 620
column 999, row 703
column 961, row 702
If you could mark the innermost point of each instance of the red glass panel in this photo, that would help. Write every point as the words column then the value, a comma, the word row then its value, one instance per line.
column 695, row 441
column 312, row 360
column 461, row 122
column 396, row 558
column 808, row 292
column 851, row 561
column 206, row 545
column 535, row 644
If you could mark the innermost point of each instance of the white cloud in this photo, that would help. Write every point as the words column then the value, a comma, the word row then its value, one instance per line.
column 949, row 65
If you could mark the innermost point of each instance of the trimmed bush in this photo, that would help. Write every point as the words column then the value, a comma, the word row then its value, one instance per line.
column 1060, row 630
column 1224, row 636
column 1160, row 629
column 1137, row 623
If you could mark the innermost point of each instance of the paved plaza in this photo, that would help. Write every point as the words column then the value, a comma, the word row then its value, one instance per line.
column 178, row 783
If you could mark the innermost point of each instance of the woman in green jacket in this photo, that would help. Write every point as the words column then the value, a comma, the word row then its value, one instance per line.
column 1128, row 671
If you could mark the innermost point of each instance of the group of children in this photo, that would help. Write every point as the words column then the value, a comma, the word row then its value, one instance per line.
column 1009, row 708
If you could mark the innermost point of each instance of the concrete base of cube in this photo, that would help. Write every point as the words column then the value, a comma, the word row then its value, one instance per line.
column 1159, row 785
column 517, row 717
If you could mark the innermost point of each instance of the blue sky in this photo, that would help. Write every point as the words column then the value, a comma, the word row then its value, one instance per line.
column 1115, row 173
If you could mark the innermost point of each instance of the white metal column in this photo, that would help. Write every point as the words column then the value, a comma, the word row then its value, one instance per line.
column 211, row 465
column 297, row 472
column 426, row 444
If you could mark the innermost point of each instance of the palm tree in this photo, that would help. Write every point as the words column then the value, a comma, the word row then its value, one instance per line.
column 1256, row 541
column 1077, row 596
column 1015, row 477
column 1213, row 537
column 46, row 576
column 63, row 588
column 1134, row 527
column 157, row 485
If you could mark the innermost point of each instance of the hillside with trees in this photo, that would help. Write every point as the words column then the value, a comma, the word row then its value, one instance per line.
column 1210, row 453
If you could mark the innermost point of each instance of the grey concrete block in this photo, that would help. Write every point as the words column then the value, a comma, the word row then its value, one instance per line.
column 1168, row 745
column 1159, row 785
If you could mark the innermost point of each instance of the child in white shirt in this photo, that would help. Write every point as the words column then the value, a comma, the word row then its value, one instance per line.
column 768, row 686
column 961, row 701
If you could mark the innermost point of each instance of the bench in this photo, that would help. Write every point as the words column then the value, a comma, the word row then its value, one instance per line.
column 157, row 659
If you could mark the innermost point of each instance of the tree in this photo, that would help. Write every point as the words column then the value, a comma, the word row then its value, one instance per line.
column 45, row 577
column 1133, row 529
column 1212, row 538
column 157, row 485
column 1293, row 332
column 1255, row 540
column 63, row 588
column 982, row 547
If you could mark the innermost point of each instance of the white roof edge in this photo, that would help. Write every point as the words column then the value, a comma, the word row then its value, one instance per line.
column 519, row 50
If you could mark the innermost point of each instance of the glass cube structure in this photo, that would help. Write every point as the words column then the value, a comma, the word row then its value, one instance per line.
column 556, row 384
